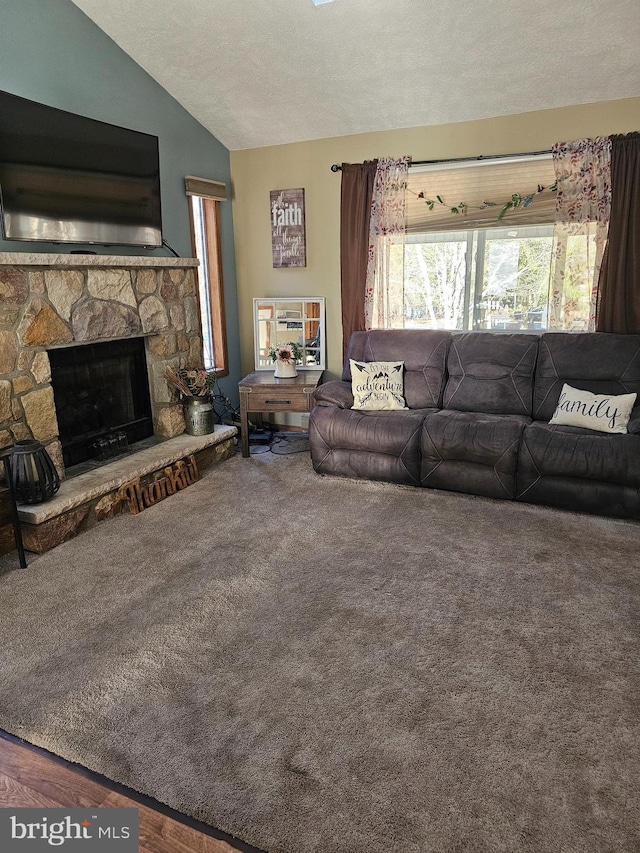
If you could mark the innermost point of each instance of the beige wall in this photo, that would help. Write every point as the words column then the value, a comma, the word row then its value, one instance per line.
column 307, row 164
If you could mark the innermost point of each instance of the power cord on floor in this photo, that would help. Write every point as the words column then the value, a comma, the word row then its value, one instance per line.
column 270, row 439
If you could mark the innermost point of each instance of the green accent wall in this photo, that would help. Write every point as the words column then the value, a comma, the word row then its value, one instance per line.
column 53, row 53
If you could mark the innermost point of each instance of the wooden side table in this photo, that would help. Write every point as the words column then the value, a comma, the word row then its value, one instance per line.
column 262, row 392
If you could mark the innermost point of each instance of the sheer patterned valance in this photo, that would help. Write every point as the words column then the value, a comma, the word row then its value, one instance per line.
column 474, row 184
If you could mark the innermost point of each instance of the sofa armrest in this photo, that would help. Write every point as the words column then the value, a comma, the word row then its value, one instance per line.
column 334, row 393
column 634, row 421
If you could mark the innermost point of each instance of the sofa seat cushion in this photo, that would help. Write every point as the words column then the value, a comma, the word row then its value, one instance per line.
column 382, row 445
column 491, row 372
column 580, row 469
column 471, row 452
column 566, row 451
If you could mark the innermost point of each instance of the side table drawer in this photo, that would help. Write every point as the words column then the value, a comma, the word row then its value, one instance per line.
column 277, row 400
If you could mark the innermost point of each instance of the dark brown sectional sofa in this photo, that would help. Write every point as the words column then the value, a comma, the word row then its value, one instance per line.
column 479, row 406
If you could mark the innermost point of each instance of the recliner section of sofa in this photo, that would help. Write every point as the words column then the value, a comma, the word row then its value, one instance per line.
column 478, row 418
column 577, row 468
column 380, row 445
column 580, row 469
column 471, row 445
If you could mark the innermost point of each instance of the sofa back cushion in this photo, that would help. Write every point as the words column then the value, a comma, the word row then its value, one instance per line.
column 592, row 361
column 491, row 372
column 423, row 351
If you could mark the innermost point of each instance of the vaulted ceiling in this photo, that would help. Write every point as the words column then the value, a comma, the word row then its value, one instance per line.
column 265, row 72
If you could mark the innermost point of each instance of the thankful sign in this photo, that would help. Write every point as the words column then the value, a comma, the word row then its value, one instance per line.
column 178, row 476
column 288, row 245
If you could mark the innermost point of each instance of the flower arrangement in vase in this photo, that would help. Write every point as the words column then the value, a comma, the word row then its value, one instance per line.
column 195, row 386
column 285, row 357
column 196, row 382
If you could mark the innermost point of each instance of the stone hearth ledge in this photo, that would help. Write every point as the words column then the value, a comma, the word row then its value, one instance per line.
column 86, row 487
column 55, row 261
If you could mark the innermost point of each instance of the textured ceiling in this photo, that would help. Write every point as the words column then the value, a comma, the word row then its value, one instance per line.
column 265, row 72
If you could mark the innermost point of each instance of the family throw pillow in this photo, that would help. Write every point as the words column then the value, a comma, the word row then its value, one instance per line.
column 377, row 385
column 602, row 412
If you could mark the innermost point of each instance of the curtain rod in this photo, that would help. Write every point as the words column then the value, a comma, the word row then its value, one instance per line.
column 337, row 168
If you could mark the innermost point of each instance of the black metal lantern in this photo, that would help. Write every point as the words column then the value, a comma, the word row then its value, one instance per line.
column 34, row 475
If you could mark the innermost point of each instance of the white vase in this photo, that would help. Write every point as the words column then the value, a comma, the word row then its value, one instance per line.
column 285, row 370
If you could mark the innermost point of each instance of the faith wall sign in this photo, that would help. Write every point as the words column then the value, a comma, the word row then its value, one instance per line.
column 288, row 245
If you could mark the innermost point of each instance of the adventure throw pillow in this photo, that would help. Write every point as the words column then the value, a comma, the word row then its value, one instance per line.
column 377, row 385
column 602, row 412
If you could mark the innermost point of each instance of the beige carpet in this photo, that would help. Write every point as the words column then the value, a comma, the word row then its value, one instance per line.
column 314, row 664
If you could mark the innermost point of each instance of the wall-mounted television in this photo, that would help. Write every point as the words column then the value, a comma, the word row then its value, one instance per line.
column 65, row 178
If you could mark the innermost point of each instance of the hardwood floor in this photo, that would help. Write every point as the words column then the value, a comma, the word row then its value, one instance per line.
column 33, row 777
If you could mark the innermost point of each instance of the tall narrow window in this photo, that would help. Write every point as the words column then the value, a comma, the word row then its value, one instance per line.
column 204, row 198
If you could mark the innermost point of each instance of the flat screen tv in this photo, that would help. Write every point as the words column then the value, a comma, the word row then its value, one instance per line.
column 65, row 178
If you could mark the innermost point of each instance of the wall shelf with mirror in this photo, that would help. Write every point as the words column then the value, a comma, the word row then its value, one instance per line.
column 297, row 319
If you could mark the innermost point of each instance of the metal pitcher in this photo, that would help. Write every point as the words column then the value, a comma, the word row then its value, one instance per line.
column 199, row 416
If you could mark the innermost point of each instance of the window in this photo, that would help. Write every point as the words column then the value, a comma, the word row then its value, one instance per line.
column 494, row 278
column 467, row 269
column 205, row 230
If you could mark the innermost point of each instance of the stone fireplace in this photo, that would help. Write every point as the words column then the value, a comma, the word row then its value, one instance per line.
column 52, row 302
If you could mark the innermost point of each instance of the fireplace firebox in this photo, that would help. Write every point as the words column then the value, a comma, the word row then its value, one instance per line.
column 102, row 399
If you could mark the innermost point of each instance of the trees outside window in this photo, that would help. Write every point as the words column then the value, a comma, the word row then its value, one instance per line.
column 493, row 278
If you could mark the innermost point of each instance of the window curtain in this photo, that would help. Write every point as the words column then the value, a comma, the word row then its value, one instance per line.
column 356, row 195
column 583, row 206
column 619, row 308
column 384, row 291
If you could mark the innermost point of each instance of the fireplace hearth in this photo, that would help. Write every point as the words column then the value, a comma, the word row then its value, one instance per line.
column 102, row 400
